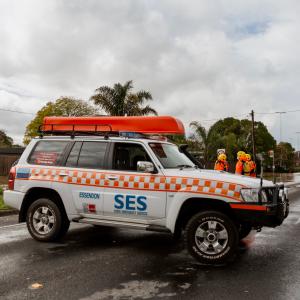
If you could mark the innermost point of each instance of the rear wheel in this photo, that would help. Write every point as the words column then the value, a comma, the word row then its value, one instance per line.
column 45, row 221
column 211, row 237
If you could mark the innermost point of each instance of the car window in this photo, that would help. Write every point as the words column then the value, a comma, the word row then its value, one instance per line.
column 126, row 156
column 48, row 153
column 92, row 155
column 170, row 156
column 73, row 156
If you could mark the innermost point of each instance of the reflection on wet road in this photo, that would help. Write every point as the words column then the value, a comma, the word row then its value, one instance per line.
column 106, row 263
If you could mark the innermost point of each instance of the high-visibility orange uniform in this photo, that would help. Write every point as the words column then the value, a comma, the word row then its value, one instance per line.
column 221, row 166
column 239, row 167
column 253, row 169
column 249, row 166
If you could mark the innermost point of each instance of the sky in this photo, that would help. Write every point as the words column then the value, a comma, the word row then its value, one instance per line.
column 201, row 60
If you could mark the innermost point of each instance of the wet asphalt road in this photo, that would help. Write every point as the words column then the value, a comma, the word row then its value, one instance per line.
column 103, row 263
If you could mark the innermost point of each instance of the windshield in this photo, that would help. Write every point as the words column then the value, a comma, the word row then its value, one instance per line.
column 170, row 156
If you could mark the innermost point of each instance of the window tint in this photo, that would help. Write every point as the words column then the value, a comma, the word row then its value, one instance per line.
column 92, row 155
column 127, row 155
column 48, row 153
column 73, row 156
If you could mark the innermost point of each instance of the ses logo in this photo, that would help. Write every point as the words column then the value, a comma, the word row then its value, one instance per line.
column 130, row 204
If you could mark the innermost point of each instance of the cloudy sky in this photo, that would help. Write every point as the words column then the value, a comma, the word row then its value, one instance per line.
column 201, row 60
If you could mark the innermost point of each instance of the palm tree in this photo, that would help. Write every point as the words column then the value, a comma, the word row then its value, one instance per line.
column 205, row 136
column 120, row 101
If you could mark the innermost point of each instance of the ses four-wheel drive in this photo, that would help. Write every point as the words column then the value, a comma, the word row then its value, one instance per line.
column 111, row 171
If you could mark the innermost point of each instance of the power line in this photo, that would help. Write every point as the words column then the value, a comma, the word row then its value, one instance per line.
column 291, row 111
column 16, row 111
column 257, row 113
column 215, row 119
column 277, row 112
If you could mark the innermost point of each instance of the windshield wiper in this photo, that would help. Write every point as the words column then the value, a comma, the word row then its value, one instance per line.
column 183, row 166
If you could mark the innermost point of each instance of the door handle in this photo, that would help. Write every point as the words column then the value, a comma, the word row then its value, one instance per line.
column 111, row 177
column 63, row 174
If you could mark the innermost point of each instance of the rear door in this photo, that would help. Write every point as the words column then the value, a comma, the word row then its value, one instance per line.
column 131, row 194
column 83, row 176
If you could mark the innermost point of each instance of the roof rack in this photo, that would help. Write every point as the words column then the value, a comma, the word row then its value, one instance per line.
column 73, row 130
column 133, row 126
column 96, row 132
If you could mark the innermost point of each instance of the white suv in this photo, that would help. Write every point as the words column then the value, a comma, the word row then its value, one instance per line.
column 138, row 183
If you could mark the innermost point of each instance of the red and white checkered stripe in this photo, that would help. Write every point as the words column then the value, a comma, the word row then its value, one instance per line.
column 140, row 182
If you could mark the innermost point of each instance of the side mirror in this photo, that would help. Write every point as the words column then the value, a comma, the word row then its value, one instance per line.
column 183, row 148
column 145, row 166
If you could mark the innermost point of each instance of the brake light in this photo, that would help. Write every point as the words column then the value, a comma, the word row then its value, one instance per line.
column 11, row 178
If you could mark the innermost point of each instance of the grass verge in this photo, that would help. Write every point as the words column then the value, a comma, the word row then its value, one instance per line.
column 2, row 205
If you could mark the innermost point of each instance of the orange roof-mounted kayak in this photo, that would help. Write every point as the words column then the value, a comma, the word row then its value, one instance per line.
column 143, row 124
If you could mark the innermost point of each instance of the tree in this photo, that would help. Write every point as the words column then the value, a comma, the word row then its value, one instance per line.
column 63, row 106
column 203, row 137
column 5, row 140
column 120, row 101
column 284, row 157
column 233, row 135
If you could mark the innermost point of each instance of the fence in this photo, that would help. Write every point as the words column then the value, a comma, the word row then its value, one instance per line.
column 7, row 157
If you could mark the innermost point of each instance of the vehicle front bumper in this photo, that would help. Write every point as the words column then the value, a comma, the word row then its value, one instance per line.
column 269, row 214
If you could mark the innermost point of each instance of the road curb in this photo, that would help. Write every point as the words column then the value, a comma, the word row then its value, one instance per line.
column 8, row 212
column 292, row 184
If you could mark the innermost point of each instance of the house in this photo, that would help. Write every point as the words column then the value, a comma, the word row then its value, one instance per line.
column 7, row 157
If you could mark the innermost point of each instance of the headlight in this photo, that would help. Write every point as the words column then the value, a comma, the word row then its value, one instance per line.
column 283, row 194
column 264, row 197
column 250, row 195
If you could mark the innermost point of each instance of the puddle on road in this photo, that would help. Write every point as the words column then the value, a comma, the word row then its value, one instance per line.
column 135, row 289
column 13, row 234
column 57, row 248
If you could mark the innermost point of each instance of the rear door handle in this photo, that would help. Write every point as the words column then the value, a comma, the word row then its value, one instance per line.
column 63, row 174
column 111, row 177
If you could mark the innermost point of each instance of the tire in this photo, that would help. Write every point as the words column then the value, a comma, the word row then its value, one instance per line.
column 244, row 230
column 177, row 235
column 211, row 237
column 64, row 228
column 45, row 221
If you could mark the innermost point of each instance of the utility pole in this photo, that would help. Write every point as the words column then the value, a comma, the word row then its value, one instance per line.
column 253, row 136
column 280, row 134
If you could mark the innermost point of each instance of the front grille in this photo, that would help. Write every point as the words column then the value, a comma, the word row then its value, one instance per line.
column 273, row 194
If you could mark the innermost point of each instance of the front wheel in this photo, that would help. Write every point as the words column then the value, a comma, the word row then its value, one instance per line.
column 211, row 237
column 45, row 221
column 244, row 230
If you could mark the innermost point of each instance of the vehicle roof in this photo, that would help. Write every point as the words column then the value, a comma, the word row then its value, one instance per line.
column 101, row 138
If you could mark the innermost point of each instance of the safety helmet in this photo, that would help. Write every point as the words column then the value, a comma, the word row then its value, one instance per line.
column 240, row 154
column 248, row 157
column 222, row 157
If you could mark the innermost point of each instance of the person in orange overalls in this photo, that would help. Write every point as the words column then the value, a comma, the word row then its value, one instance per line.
column 239, row 167
column 250, row 166
column 221, row 163
column 247, row 165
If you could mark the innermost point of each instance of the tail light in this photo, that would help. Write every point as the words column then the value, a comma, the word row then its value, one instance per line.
column 11, row 178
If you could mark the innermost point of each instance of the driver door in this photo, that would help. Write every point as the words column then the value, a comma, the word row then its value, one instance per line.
column 130, row 193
